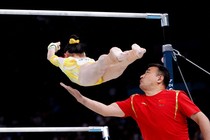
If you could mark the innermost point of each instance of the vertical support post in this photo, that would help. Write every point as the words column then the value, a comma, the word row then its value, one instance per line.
column 167, row 60
column 105, row 133
column 167, row 49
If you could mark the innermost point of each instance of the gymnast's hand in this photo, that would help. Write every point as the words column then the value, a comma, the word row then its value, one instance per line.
column 73, row 92
column 55, row 46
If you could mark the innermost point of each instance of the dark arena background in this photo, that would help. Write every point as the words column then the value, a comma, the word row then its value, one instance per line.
column 30, row 92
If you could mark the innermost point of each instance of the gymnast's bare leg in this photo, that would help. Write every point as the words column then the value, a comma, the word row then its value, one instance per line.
column 109, row 66
column 127, row 57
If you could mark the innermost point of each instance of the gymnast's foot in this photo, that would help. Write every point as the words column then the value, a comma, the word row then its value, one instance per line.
column 138, row 51
column 116, row 54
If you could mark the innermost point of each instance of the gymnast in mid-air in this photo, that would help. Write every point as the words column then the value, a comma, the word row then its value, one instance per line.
column 86, row 71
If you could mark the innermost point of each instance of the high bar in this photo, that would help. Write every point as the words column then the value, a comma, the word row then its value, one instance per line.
column 161, row 16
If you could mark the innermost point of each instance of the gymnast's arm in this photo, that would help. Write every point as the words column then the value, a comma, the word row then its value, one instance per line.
column 111, row 110
column 52, row 49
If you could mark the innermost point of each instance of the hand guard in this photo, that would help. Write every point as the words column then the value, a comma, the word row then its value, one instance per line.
column 55, row 46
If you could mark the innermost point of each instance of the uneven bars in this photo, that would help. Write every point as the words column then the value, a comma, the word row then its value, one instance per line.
column 103, row 129
column 162, row 17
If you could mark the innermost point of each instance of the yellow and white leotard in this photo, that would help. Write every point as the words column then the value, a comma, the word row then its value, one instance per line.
column 70, row 66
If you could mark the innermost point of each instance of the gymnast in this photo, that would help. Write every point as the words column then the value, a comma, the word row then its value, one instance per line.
column 86, row 71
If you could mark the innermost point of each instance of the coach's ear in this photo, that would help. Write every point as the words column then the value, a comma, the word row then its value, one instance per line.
column 160, row 78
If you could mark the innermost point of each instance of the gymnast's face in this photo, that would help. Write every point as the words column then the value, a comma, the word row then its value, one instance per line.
column 76, row 55
column 67, row 54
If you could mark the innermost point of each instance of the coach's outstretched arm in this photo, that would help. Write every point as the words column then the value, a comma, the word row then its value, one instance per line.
column 111, row 110
column 155, row 105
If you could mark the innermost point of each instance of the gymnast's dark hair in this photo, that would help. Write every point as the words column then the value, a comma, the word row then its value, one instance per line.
column 74, row 45
column 163, row 71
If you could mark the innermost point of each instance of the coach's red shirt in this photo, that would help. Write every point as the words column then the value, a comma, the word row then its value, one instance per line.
column 162, row 116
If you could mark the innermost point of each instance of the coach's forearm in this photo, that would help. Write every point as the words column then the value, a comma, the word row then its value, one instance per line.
column 95, row 106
